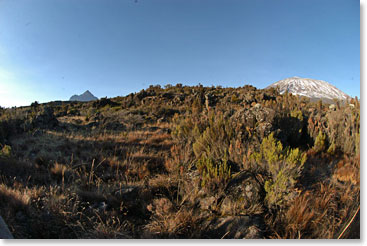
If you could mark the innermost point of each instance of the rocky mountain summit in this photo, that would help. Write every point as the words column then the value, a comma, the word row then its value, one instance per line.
column 312, row 88
column 85, row 97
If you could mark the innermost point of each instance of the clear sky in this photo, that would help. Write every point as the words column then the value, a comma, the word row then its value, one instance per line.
column 52, row 49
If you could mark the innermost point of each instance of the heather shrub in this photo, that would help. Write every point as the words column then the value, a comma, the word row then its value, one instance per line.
column 196, row 107
column 271, row 152
column 5, row 151
column 316, row 123
column 182, row 131
column 336, row 130
column 320, row 142
column 215, row 140
column 235, row 99
column 213, row 174
column 343, row 129
column 283, row 166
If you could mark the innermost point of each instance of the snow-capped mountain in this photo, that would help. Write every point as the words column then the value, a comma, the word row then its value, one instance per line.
column 85, row 97
column 315, row 89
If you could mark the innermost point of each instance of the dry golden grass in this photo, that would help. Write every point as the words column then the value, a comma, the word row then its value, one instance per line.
column 59, row 169
column 317, row 213
column 14, row 198
column 157, row 139
column 167, row 222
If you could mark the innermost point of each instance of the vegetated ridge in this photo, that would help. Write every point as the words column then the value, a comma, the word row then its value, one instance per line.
column 85, row 97
column 182, row 162
column 312, row 88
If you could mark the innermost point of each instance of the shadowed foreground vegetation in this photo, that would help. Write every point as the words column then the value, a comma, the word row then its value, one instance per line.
column 182, row 162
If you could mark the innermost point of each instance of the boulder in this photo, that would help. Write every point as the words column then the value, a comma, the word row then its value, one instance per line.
column 243, row 195
column 45, row 119
column 264, row 129
column 263, row 114
column 257, row 117
column 234, row 227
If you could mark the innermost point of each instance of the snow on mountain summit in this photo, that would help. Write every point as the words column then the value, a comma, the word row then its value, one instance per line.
column 310, row 88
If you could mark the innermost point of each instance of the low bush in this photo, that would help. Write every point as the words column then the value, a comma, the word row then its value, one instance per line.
column 214, row 175
column 283, row 166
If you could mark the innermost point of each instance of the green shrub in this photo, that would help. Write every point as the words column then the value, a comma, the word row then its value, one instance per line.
column 279, row 189
column 214, row 175
column 320, row 142
column 215, row 140
column 235, row 99
column 283, row 167
column 5, row 151
column 297, row 114
column 271, row 152
column 196, row 106
column 182, row 131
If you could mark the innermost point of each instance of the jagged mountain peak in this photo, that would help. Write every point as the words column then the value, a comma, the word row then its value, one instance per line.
column 85, row 97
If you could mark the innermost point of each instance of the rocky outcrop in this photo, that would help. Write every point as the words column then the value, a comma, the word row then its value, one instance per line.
column 45, row 119
column 244, row 195
column 239, row 209
column 257, row 118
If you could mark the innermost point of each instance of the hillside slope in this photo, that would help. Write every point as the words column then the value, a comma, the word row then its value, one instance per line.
column 182, row 162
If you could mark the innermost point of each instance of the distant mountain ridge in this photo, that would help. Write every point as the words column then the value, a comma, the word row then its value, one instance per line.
column 85, row 97
column 312, row 88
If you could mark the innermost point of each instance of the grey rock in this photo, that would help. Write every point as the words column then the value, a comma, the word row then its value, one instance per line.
column 258, row 117
column 243, row 195
column 235, row 227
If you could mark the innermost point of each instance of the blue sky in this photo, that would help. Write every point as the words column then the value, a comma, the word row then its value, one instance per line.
column 52, row 49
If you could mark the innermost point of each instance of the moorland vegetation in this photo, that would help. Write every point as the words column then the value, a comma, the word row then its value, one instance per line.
column 182, row 162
